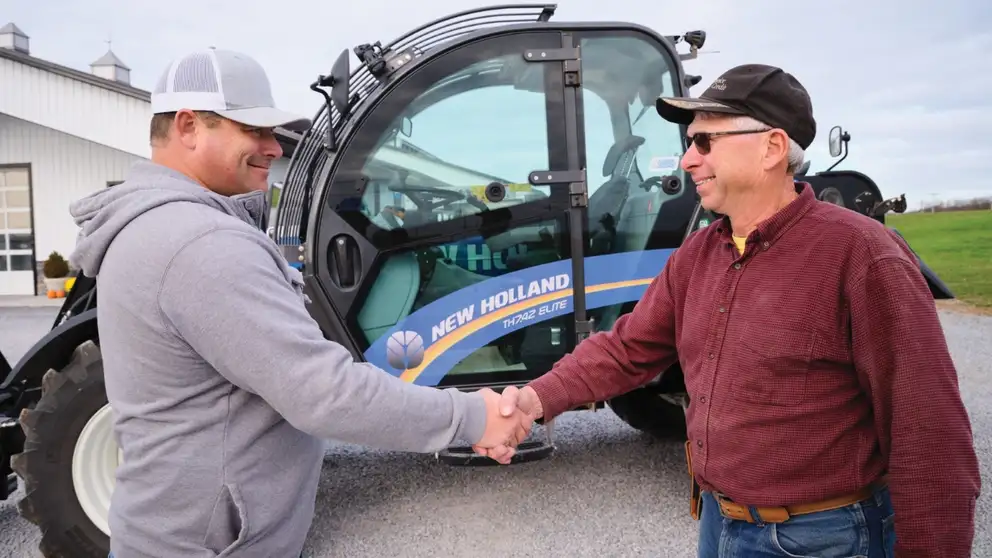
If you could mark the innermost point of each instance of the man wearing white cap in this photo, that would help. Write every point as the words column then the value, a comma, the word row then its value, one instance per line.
column 222, row 385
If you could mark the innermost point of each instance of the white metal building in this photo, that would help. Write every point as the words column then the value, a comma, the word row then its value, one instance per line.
column 64, row 133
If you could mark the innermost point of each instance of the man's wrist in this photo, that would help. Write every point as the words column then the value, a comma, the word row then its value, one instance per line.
column 475, row 418
column 537, row 408
column 551, row 395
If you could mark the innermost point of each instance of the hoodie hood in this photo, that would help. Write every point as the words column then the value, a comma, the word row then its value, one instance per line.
column 103, row 214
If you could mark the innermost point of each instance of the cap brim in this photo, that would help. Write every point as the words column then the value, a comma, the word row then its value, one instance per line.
column 681, row 110
column 267, row 117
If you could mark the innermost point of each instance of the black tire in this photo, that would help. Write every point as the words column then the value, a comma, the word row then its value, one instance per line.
column 647, row 411
column 69, row 398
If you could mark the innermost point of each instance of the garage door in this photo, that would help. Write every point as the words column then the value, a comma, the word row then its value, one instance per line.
column 16, row 233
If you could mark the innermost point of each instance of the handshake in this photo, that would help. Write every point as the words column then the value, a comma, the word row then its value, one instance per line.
column 509, row 418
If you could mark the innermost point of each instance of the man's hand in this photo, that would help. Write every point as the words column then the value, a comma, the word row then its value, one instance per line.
column 521, row 404
column 506, row 427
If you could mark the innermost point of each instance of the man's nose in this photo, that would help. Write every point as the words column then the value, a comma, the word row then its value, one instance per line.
column 691, row 159
column 271, row 147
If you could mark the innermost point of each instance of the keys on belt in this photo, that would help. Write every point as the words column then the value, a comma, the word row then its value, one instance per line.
column 695, row 492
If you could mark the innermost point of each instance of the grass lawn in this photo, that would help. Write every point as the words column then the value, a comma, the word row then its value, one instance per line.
column 957, row 245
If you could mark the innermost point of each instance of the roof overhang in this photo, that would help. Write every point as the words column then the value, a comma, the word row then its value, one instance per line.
column 287, row 140
column 78, row 75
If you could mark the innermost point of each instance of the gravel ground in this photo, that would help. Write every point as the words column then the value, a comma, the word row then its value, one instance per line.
column 608, row 491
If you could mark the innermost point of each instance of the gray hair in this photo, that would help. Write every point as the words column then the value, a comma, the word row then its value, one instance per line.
column 796, row 154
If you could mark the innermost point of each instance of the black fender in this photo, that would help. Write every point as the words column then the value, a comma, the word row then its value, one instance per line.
column 860, row 192
column 53, row 350
column 938, row 288
column 22, row 386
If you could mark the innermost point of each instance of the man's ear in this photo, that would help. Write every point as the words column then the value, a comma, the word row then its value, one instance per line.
column 777, row 149
column 185, row 127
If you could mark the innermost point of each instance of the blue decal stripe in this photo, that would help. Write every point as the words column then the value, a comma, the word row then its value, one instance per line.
column 450, row 339
column 435, row 338
column 446, row 342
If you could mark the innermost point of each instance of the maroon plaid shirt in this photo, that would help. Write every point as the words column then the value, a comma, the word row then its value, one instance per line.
column 814, row 363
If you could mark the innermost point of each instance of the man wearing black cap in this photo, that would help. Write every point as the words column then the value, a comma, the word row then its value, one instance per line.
column 825, row 415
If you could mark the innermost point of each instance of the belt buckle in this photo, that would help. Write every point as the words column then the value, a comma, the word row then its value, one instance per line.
column 742, row 512
column 729, row 508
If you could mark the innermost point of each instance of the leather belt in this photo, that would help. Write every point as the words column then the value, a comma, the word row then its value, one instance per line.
column 780, row 514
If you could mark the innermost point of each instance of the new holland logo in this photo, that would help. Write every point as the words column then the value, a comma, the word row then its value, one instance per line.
column 405, row 350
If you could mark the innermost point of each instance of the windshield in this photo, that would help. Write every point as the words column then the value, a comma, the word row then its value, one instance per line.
column 487, row 123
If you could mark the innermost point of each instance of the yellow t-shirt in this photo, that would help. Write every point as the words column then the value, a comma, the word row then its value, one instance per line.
column 739, row 241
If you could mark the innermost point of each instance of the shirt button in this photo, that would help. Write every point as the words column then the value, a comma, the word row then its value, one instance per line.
column 702, row 399
column 766, row 244
column 722, row 309
column 737, row 266
column 710, row 356
column 699, row 443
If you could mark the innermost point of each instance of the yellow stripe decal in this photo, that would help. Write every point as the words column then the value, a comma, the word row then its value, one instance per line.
column 446, row 342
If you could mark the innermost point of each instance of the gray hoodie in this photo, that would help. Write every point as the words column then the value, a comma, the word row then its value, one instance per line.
column 222, row 385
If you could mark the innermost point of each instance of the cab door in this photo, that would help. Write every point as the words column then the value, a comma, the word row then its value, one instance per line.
column 640, row 202
column 444, row 241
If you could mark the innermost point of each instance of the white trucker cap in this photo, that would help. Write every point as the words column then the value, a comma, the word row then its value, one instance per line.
column 228, row 83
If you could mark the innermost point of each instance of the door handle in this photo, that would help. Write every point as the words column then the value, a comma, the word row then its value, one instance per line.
column 345, row 261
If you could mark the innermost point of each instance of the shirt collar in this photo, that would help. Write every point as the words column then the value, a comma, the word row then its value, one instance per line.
column 771, row 229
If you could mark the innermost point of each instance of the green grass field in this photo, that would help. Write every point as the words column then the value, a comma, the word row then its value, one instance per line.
column 957, row 245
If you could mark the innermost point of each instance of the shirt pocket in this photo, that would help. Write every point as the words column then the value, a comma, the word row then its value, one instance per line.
column 773, row 365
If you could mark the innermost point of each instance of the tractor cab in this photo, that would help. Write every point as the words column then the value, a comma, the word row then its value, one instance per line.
column 540, row 193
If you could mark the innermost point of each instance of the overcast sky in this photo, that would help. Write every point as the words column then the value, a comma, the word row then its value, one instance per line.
column 910, row 80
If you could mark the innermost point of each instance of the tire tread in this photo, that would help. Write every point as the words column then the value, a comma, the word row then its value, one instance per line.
column 42, row 425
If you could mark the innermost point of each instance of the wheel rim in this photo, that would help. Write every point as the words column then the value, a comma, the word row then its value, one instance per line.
column 94, row 464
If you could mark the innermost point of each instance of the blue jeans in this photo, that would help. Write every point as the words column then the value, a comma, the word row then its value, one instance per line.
column 864, row 529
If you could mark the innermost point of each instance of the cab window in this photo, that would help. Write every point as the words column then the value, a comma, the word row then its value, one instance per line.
column 465, row 132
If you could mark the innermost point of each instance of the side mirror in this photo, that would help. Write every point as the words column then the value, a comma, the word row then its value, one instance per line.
column 406, row 126
column 838, row 144
column 836, row 136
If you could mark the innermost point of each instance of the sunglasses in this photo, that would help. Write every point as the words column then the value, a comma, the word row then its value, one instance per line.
column 704, row 140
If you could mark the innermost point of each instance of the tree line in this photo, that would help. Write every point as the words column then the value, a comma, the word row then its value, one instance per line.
column 972, row 204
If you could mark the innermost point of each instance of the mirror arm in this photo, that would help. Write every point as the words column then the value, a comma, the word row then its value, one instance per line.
column 326, row 81
column 844, row 156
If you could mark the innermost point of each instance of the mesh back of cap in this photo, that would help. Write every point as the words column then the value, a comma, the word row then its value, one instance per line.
column 191, row 82
column 213, row 80
column 195, row 73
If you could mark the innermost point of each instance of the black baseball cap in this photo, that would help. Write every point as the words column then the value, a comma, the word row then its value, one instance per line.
column 766, row 93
